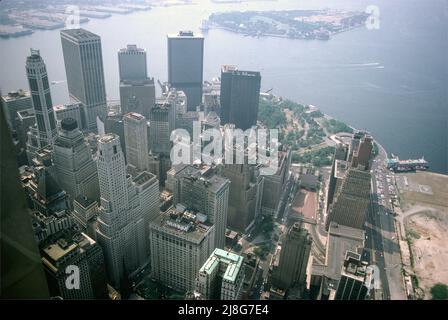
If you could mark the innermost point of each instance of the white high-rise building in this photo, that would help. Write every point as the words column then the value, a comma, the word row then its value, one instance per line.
column 75, row 167
column 127, row 205
column 36, row 72
column 221, row 276
column 136, row 141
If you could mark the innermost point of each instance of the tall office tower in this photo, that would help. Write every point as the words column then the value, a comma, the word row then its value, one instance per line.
column 185, row 65
column 246, row 188
column 85, row 74
column 126, row 204
column 76, row 170
column 114, row 124
column 137, row 90
column 200, row 189
column 352, row 284
column 294, row 255
column 132, row 63
column 275, row 184
column 178, row 99
column 36, row 72
column 66, row 250
column 364, row 153
column 221, row 276
column 14, row 102
column 354, row 144
column 21, row 273
column 161, row 123
column 181, row 241
column 350, row 203
column 85, row 213
column 340, row 155
column 136, row 136
column 240, row 95
column 70, row 110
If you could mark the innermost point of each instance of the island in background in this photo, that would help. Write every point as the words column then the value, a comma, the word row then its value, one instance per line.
column 295, row 24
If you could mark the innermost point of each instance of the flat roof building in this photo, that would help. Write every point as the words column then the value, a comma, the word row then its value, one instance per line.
column 221, row 276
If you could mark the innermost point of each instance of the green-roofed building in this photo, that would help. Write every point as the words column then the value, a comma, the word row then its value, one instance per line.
column 221, row 276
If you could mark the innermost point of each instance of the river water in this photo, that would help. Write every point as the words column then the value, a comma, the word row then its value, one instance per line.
column 391, row 81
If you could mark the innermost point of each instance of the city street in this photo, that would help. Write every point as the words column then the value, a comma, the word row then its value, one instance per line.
column 381, row 234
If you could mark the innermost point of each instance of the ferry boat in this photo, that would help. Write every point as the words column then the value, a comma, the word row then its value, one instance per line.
column 397, row 165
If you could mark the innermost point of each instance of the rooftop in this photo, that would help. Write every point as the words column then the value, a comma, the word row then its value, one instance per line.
column 203, row 173
column 185, row 34
column 180, row 221
column 79, row 34
column 14, row 95
column 232, row 260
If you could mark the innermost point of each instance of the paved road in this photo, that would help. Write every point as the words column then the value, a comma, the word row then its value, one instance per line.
column 382, row 234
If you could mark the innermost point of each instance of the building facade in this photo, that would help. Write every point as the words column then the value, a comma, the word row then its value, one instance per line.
column 85, row 73
column 181, row 241
column 136, row 141
column 185, row 65
column 137, row 90
column 76, row 170
column 201, row 189
column 125, row 206
column 240, row 95
column 36, row 72
column 294, row 255
column 221, row 276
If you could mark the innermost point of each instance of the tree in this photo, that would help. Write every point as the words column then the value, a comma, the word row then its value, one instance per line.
column 439, row 292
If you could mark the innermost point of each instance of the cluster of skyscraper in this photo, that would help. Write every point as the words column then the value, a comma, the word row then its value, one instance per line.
column 102, row 192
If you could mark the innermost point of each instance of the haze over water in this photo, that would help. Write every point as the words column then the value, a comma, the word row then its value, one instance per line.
column 392, row 81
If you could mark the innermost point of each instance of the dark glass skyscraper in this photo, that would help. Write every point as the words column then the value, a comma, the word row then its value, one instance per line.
column 240, row 94
column 185, row 65
column 36, row 72
column 85, row 74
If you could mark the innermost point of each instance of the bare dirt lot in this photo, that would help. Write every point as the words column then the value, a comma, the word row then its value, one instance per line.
column 429, row 248
column 424, row 199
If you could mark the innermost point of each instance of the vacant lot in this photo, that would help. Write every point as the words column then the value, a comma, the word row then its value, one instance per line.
column 424, row 188
column 424, row 199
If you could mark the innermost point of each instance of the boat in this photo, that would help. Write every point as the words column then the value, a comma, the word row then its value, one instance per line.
column 397, row 165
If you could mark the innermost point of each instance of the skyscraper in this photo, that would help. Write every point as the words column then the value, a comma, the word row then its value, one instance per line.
column 75, row 168
column 136, row 141
column 362, row 156
column 161, row 123
column 201, row 189
column 13, row 102
column 185, row 65
column 349, row 207
column 66, row 250
column 127, row 204
column 137, row 90
column 85, row 74
column 353, row 276
column 221, row 276
column 181, row 241
column 246, row 188
column 294, row 255
column 36, row 72
column 275, row 184
column 240, row 94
